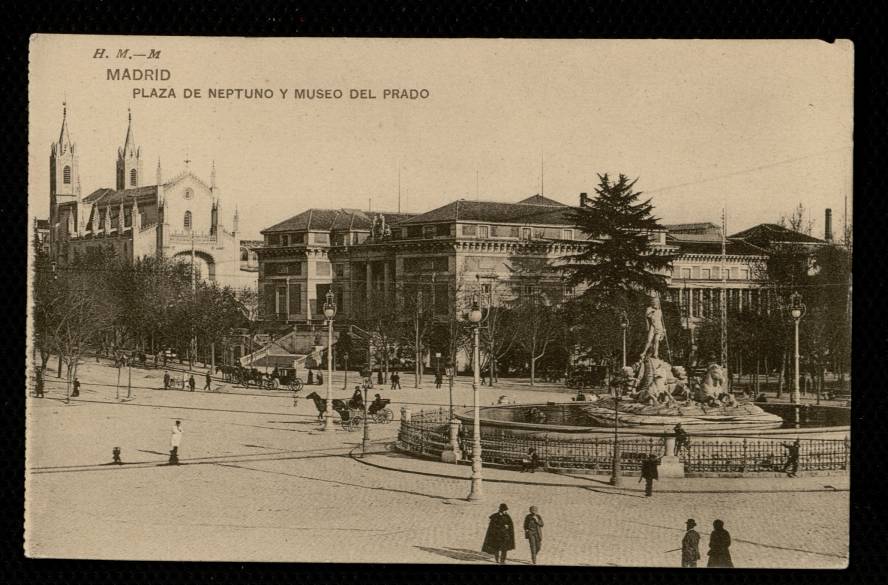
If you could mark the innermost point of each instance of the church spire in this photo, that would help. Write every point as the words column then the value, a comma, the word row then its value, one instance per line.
column 129, row 164
column 64, row 137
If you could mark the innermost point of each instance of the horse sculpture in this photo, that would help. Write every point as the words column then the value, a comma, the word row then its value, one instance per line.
column 339, row 406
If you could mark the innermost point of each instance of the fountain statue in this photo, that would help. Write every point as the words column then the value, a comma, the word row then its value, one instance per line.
column 653, row 393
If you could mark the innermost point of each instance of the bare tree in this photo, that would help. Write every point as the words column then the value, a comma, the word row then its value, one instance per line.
column 539, row 320
column 797, row 222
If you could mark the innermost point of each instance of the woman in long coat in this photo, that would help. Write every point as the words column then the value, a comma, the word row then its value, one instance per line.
column 500, row 537
column 719, row 546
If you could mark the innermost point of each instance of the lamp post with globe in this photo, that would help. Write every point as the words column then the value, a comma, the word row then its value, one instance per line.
column 329, row 314
column 474, row 316
column 797, row 311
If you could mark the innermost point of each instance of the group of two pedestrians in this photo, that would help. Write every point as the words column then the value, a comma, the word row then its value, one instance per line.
column 500, row 537
column 719, row 546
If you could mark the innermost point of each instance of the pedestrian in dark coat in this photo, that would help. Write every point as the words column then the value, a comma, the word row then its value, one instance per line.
column 208, row 385
column 533, row 532
column 166, row 380
column 500, row 537
column 649, row 474
column 719, row 546
column 438, row 379
column 76, row 392
column 191, row 383
column 690, row 546
column 791, row 466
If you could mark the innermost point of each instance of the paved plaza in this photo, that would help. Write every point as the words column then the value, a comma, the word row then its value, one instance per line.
column 259, row 482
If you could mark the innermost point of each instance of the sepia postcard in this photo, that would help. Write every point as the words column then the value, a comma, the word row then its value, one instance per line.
column 478, row 301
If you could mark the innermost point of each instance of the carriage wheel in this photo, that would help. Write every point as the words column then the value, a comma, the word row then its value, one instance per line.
column 296, row 385
column 356, row 422
column 275, row 383
column 388, row 416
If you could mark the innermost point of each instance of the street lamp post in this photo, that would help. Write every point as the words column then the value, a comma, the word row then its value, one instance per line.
column 475, row 492
column 367, row 383
column 329, row 313
column 797, row 311
column 616, row 475
column 624, row 324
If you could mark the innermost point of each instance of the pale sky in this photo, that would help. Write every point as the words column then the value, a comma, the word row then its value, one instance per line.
column 756, row 126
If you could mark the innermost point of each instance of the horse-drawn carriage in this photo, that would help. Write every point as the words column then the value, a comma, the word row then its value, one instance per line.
column 351, row 412
column 284, row 378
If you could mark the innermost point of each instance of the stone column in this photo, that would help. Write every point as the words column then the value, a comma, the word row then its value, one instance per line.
column 670, row 465
column 454, row 454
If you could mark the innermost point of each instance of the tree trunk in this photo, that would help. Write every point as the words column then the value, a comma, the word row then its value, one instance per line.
column 59, row 368
column 533, row 361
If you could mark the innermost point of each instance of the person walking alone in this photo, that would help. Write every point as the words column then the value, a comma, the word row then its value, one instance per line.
column 791, row 467
column 719, row 547
column 533, row 532
column 175, row 442
column 439, row 379
column 166, row 380
column 690, row 546
column 649, row 474
column 208, row 385
column 76, row 392
column 191, row 383
column 500, row 537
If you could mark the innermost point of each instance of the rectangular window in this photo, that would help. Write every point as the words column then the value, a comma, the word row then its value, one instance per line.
column 426, row 264
column 339, row 270
column 428, row 231
column 483, row 232
column 442, row 229
column 567, row 234
column 504, row 231
column 705, row 274
column 285, row 239
column 695, row 272
column 414, row 231
column 716, row 275
column 272, row 239
column 744, row 273
column 470, row 230
column 127, row 218
column 323, row 239
column 295, row 299
column 268, row 305
column 526, row 233
column 322, row 269
column 686, row 273
column 441, row 300
column 281, row 300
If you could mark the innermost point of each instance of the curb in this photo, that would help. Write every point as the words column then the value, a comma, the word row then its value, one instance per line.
column 599, row 488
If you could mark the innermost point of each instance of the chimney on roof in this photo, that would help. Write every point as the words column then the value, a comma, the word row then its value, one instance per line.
column 584, row 199
column 827, row 229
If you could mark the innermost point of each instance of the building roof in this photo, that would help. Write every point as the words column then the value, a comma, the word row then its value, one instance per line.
column 334, row 219
column 496, row 212
column 541, row 200
column 703, row 226
column 765, row 235
column 252, row 243
column 733, row 247
column 105, row 196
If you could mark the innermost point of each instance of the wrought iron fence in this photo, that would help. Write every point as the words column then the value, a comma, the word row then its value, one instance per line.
column 428, row 433
column 751, row 455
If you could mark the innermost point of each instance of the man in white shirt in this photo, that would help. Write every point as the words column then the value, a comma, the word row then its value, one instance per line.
column 175, row 441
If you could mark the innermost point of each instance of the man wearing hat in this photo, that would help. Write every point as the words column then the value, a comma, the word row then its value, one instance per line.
column 500, row 537
column 690, row 546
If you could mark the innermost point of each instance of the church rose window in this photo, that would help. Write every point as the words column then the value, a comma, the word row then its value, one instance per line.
column 187, row 220
column 66, row 175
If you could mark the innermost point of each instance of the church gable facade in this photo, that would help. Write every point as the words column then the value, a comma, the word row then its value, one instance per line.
column 179, row 218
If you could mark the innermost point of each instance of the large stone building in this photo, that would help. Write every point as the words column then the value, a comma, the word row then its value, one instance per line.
column 493, row 249
column 180, row 217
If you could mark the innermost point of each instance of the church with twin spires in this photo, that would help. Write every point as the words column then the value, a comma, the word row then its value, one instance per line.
column 177, row 218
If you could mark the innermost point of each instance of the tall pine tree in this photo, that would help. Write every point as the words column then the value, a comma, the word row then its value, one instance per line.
column 618, row 266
